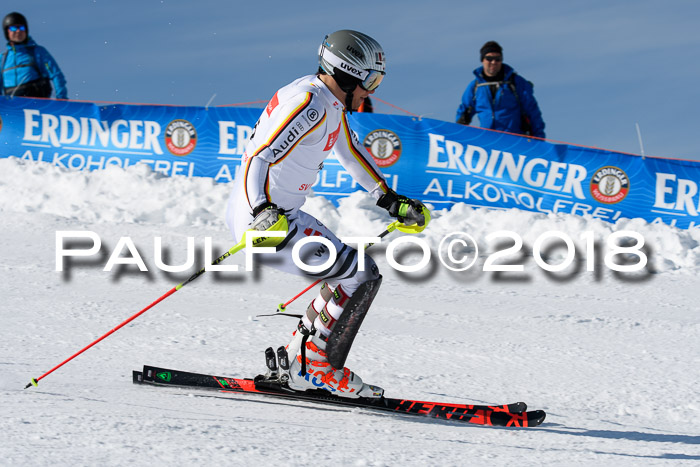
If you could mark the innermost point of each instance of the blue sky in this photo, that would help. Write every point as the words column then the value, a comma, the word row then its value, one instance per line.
column 599, row 67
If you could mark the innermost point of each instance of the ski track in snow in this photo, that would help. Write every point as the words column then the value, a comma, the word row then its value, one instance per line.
column 612, row 358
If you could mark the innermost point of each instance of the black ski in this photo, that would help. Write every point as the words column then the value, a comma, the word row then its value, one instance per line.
column 508, row 415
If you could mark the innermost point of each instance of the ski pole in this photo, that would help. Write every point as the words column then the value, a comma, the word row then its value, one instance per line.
column 281, row 225
column 283, row 306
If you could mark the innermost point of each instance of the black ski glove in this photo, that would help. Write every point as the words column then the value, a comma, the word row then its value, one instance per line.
column 408, row 211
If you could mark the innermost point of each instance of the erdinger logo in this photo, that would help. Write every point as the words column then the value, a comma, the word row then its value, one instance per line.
column 180, row 137
column 610, row 185
column 384, row 146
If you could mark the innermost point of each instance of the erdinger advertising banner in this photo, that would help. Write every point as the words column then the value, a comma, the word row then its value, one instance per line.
column 438, row 162
column 187, row 141
column 444, row 163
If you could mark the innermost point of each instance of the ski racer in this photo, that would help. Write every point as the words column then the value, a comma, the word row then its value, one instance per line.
column 303, row 122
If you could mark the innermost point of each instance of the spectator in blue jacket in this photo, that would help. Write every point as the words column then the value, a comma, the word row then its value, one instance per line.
column 501, row 98
column 27, row 69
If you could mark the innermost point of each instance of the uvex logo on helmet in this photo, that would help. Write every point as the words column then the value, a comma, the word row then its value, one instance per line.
column 351, row 69
column 355, row 52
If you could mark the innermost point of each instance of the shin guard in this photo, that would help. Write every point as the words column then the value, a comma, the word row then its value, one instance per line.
column 345, row 328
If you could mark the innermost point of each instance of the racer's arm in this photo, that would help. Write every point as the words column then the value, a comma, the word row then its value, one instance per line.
column 290, row 125
column 358, row 161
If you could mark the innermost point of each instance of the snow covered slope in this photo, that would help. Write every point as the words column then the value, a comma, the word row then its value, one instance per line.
column 612, row 357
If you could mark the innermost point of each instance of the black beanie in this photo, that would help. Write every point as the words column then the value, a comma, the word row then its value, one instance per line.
column 490, row 47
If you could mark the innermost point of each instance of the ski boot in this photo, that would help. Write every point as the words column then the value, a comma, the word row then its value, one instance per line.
column 309, row 369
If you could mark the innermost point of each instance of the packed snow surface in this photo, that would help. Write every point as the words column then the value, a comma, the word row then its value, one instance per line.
column 613, row 357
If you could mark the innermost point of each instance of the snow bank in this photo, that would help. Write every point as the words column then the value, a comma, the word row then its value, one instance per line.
column 139, row 195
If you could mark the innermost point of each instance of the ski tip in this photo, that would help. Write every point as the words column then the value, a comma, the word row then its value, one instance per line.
column 137, row 377
column 517, row 407
column 536, row 417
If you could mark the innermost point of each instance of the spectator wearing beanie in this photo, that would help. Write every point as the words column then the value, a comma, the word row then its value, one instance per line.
column 502, row 99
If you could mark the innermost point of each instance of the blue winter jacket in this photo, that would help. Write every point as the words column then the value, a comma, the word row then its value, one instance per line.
column 26, row 62
column 502, row 111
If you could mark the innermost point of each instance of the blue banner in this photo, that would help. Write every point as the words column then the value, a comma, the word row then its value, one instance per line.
column 437, row 162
